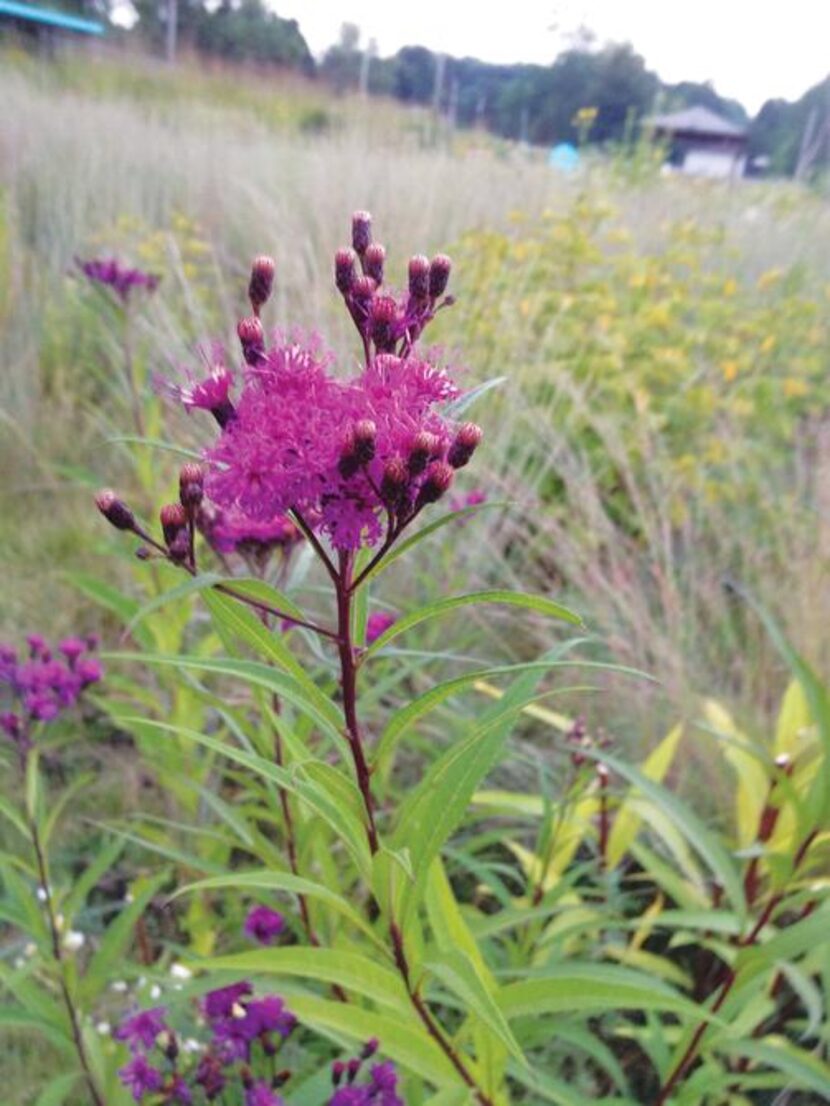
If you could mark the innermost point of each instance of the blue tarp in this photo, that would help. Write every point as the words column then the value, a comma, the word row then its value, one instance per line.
column 563, row 157
column 50, row 18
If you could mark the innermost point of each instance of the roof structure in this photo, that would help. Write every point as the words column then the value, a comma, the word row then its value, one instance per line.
column 49, row 17
column 696, row 120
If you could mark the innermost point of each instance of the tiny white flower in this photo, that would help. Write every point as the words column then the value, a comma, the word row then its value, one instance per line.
column 41, row 894
column 142, row 982
column 128, row 898
column 59, row 921
column 19, row 962
column 104, row 1028
column 155, row 991
column 179, row 971
column 192, row 1045
column 73, row 940
column 118, row 985
column 30, row 949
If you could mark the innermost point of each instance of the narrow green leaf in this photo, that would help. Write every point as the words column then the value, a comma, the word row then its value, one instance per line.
column 350, row 970
column 441, row 607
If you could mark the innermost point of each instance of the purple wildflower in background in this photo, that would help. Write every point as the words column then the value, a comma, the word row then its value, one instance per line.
column 379, row 1090
column 378, row 623
column 41, row 686
column 142, row 1030
column 260, row 1094
column 264, row 925
column 140, row 1077
column 220, row 1003
column 121, row 279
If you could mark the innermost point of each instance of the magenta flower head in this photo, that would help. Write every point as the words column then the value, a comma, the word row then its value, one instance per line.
column 260, row 1094
column 140, row 1031
column 211, row 393
column 378, row 623
column 264, row 925
column 140, row 1077
column 221, row 1002
column 119, row 278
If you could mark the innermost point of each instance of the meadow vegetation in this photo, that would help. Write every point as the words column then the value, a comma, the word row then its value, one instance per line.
column 603, row 843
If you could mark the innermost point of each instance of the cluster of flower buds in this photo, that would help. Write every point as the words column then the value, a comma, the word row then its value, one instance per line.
column 580, row 742
column 379, row 1086
column 120, row 278
column 388, row 323
column 43, row 683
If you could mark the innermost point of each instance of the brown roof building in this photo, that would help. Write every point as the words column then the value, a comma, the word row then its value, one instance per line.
column 702, row 143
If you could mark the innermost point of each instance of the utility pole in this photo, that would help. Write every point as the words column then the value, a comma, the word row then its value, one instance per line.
column 172, row 30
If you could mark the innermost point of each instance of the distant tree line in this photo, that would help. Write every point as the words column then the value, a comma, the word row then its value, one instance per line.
column 535, row 103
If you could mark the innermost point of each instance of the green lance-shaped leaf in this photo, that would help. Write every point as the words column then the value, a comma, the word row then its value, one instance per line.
column 270, row 880
column 433, row 810
column 441, row 607
column 337, row 966
column 705, row 843
column 340, row 818
column 321, row 709
column 589, row 987
column 805, row 1069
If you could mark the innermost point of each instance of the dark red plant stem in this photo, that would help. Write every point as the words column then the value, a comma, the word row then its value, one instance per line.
column 348, row 682
column 729, row 981
column 77, row 1036
column 344, row 587
column 430, row 1024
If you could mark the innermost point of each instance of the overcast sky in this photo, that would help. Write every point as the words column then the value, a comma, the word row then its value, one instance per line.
column 750, row 49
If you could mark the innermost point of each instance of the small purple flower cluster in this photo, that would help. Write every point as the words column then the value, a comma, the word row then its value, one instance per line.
column 379, row 1089
column 43, row 684
column 121, row 279
column 238, row 1022
column 264, row 925
column 244, row 1030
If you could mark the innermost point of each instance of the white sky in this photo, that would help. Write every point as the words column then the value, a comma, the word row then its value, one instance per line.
column 750, row 49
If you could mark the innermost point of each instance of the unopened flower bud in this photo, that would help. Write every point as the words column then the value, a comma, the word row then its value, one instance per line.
column 419, row 277
column 370, row 1048
column 364, row 436
column 173, row 520
column 382, row 317
column 252, row 338
column 338, row 1070
column 179, row 547
column 191, row 485
column 437, row 480
column 465, row 444
column 423, row 449
column 374, row 261
column 394, row 482
column 114, row 510
column 352, row 1068
column 345, row 272
column 361, row 232
column 439, row 275
column 261, row 283
column 363, row 291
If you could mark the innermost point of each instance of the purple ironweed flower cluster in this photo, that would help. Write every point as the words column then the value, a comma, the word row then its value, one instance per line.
column 246, row 1035
column 379, row 1085
column 121, row 279
column 346, row 455
column 264, row 925
column 43, row 682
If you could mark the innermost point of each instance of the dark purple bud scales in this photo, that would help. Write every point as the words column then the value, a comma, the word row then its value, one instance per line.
column 438, row 478
column 361, row 231
column 465, row 444
column 252, row 339
column 345, row 271
column 114, row 510
column 439, row 275
column 262, row 281
column 419, row 277
column 374, row 261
